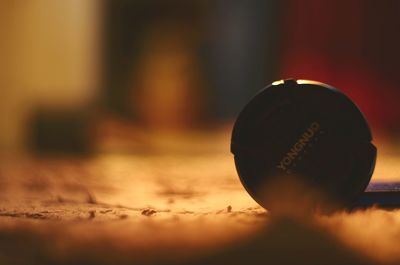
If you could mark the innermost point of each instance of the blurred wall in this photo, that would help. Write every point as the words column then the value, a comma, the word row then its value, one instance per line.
column 49, row 52
column 353, row 45
column 184, row 64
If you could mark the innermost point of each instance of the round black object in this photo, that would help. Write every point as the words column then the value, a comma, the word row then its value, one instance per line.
column 307, row 130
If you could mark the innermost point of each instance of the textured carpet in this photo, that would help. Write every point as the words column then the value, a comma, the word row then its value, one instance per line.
column 174, row 203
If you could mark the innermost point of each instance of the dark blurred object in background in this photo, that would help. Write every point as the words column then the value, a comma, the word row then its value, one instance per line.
column 174, row 64
column 62, row 132
column 152, row 73
column 242, row 52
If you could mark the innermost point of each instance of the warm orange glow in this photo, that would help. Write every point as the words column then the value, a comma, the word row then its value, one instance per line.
column 311, row 82
column 278, row 82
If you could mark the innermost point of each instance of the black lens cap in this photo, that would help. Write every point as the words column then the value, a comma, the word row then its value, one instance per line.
column 307, row 130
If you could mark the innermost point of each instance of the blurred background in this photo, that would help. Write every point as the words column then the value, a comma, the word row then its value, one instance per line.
column 77, row 76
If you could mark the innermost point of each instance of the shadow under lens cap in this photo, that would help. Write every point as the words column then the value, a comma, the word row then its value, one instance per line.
column 308, row 130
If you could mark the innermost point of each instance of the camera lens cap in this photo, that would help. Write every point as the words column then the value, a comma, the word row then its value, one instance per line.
column 307, row 130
